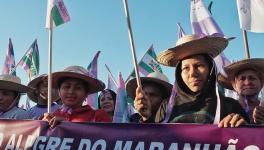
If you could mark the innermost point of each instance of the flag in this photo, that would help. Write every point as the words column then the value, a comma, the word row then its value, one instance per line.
column 147, row 64
column 170, row 104
column 92, row 100
column 30, row 61
column 201, row 20
column 204, row 24
column 111, row 84
column 251, row 14
column 221, row 61
column 121, row 101
column 9, row 65
column 181, row 33
column 57, row 14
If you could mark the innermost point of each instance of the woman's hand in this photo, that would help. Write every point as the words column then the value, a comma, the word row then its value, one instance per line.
column 232, row 120
column 142, row 104
column 258, row 115
column 53, row 120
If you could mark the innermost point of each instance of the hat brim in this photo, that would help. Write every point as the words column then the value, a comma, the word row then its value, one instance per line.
column 209, row 44
column 7, row 85
column 232, row 69
column 131, row 86
column 94, row 85
column 34, row 95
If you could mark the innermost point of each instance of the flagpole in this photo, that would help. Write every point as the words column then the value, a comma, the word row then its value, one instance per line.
column 246, row 43
column 132, row 43
column 50, row 69
column 111, row 75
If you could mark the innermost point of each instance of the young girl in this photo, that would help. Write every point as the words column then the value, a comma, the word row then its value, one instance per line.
column 74, row 85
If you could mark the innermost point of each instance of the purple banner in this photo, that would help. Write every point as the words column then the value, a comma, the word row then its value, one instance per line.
column 36, row 135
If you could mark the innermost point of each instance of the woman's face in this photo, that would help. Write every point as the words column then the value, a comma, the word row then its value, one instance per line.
column 107, row 103
column 73, row 92
column 43, row 92
column 195, row 71
column 247, row 83
column 7, row 98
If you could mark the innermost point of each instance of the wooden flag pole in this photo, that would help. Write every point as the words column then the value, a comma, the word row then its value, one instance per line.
column 132, row 43
column 50, row 66
column 246, row 44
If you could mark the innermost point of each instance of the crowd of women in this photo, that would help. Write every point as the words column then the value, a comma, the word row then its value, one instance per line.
column 197, row 98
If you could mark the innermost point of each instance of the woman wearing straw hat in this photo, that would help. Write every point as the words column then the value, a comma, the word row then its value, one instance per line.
column 40, row 96
column 157, row 88
column 10, row 91
column 246, row 77
column 74, row 85
column 198, row 100
column 106, row 102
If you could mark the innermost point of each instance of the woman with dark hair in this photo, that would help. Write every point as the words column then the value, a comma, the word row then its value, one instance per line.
column 198, row 99
column 10, row 92
column 106, row 101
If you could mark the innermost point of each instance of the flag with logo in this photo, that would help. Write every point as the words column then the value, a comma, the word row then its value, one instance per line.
column 9, row 65
column 251, row 14
column 92, row 100
column 204, row 24
column 121, row 105
column 57, row 14
column 201, row 20
column 30, row 61
column 147, row 64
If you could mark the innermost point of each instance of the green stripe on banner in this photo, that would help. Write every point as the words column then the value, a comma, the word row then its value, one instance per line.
column 145, row 67
column 56, row 16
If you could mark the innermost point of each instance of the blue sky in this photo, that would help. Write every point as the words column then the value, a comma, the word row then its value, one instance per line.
column 101, row 25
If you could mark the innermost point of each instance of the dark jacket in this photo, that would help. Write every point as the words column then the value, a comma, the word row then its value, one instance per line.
column 201, row 107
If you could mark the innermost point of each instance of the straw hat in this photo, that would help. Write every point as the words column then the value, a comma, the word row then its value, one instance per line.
column 78, row 72
column 232, row 69
column 13, row 83
column 191, row 45
column 34, row 83
column 154, row 77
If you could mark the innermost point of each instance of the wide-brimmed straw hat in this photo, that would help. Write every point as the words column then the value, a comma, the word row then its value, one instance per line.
column 78, row 72
column 13, row 83
column 192, row 45
column 34, row 84
column 154, row 77
column 231, row 70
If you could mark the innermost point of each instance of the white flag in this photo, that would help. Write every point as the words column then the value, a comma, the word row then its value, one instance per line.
column 251, row 15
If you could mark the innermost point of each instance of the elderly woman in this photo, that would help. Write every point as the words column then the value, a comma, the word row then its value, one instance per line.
column 10, row 92
column 197, row 100
column 246, row 77
column 106, row 101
